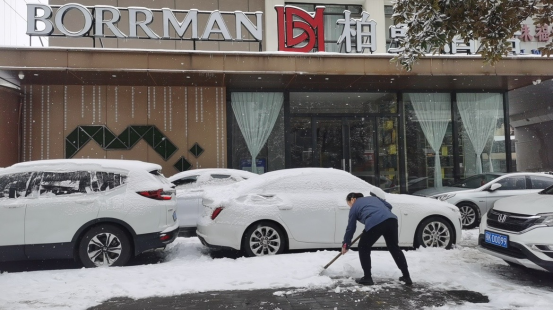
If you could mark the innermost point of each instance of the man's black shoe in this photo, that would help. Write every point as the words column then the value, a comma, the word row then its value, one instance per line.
column 406, row 280
column 364, row 281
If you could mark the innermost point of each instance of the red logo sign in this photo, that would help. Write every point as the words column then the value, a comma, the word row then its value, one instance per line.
column 312, row 26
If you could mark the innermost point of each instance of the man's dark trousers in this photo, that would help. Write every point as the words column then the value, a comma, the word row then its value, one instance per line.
column 388, row 229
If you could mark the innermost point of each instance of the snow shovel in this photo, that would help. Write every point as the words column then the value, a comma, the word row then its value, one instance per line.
column 340, row 254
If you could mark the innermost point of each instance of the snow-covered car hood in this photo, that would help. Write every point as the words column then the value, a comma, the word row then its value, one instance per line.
column 435, row 191
column 530, row 204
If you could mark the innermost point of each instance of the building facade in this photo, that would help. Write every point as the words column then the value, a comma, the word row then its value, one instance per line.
column 255, row 100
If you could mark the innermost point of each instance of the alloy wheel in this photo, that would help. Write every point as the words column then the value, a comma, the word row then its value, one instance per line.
column 265, row 241
column 468, row 215
column 104, row 249
column 436, row 234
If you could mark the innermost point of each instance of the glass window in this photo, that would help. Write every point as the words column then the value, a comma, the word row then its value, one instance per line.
column 54, row 184
column 332, row 31
column 512, row 183
column 481, row 133
column 539, row 182
column 14, row 185
column 428, row 136
column 102, row 181
column 301, row 142
column 476, row 181
column 344, row 103
column 186, row 180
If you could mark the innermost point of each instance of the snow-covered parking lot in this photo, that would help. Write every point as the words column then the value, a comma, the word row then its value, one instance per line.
column 188, row 268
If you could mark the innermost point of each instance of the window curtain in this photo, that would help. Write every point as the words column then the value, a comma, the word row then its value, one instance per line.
column 479, row 113
column 433, row 112
column 256, row 114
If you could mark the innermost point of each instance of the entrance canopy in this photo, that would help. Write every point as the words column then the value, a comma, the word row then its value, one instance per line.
column 267, row 71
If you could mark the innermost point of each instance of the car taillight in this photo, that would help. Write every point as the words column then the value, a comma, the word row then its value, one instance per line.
column 157, row 195
column 216, row 212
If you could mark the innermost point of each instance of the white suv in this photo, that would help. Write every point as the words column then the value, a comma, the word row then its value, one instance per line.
column 101, row 212
column 518, row 230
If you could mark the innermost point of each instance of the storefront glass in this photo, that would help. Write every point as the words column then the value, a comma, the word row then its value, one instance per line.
column 428, row 140
column 481, row 133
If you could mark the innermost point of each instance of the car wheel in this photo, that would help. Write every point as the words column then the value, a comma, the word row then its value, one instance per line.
column 263, row 238
column 470, row 215
column 104, row 245
column 435, row 232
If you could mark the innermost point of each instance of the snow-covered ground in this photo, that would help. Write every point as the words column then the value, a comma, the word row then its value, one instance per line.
column 188, row 268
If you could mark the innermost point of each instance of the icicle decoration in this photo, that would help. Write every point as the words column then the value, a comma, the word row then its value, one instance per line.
column 31, row 125
column 116, row 108
column 165, row 108
column 48, row 103
column 217, row 122
column 93, row 104
column 132, row 102
column 222, row 118
column 65, row 107
column 24, row 122
column 148, row 102
column 170, row 108
column 99, row 104
column 202, row 105
column 186, row 112
column 82, row 101
column 42, row 123
column 196, row 101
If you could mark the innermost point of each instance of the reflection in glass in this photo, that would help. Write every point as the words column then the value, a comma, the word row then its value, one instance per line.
column 354, row 103
column 330, row 152
column 388, row 159
column 301, row 142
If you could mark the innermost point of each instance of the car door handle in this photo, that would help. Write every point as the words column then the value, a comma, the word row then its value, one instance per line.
column 15, row 207
column 343, row 208
column 285, row 207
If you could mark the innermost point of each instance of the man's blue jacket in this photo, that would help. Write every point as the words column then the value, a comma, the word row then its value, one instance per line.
column 370, row 211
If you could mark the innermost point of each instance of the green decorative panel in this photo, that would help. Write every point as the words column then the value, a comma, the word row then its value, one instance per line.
column 197, row 150
column 79, row 137
column 182, row 164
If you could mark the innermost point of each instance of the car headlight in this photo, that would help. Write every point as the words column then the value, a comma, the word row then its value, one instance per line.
column 545, row 219
column 444, row 197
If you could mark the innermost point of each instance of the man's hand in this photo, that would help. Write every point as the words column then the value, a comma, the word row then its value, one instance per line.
column 344, row 249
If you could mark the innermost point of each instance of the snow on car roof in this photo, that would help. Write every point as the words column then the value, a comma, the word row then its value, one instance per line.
column 86, row 164
column 232, row 172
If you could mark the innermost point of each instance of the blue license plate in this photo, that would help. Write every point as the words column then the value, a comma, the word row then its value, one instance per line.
column 496, row 239
column 174, row 216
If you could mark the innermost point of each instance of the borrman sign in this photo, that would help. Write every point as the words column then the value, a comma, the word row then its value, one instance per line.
column 96, row 18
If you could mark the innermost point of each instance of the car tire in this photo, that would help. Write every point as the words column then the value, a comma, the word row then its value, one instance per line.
column 263, row 238
column 435, row 232
column 104, row 245
column 470, row 215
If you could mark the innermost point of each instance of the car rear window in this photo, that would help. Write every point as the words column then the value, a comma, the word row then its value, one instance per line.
column 159, row 176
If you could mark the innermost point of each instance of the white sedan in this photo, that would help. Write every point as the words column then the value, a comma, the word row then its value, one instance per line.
column 192, row 184
column 306, row 208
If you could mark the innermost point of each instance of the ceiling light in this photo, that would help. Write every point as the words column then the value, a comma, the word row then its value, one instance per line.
column 455, row 79
column 21, row 75
column 259, row 78
column 36, row 74
column 188, row 76
column 516, row 79
column 358, row 96
column 391, row 79
column 326, row 79
column 113, row 75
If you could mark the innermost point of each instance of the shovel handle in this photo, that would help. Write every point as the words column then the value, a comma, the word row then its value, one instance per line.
column 340, row 254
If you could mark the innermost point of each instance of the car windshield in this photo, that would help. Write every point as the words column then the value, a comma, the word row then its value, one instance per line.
column 475, row 181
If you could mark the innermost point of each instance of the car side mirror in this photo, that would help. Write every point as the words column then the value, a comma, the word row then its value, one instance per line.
column 494, row 187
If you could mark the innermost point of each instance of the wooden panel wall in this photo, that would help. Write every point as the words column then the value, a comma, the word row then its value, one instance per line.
column 185, row 115
column 9, row 126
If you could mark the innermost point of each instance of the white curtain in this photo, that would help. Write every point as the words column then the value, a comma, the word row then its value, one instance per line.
column 479, row 113
column 256, row 114
column 433, row 112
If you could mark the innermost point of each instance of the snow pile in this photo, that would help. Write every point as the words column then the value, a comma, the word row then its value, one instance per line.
column 188, row 269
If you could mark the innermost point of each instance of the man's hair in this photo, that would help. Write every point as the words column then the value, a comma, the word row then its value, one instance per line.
column 350, row 196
